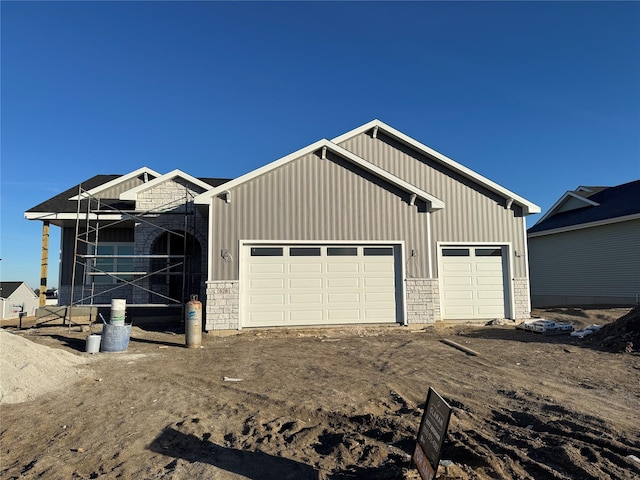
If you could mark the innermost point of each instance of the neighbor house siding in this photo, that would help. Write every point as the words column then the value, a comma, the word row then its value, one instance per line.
column 310, row 199
column 472, row 213
column 597, row 265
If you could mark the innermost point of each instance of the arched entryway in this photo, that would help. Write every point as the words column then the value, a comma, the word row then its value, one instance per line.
column 177, row 267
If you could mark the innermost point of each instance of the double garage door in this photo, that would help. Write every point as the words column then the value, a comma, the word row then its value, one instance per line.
column 287, row 285
column 473, row 282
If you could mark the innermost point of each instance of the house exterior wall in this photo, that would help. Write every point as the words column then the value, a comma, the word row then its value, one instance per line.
column 23, row 295
column 472, row 213
column 308, row 199
column 589, row 266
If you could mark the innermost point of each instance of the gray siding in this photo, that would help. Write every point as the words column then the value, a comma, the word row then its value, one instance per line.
column 314, row 200
column 596, row 265
column 115, row 191
column 471, row 214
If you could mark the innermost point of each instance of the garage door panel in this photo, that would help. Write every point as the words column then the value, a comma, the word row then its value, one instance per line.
column 305, row 298
column 274, row 299
column 454, row 265
column 265, row 318
column 458, row 281
column 305, row 267
column 269, row 268
column 299, row 283
column 375, row 314
column 386, row 267
column 343, row 267
column 380, row 282
column 306, row 316
column 379, row 297
column 473, row 283
column 346, row 315
column 343, row 282
column 266, row 283
column 458, row 295
column 343, row 298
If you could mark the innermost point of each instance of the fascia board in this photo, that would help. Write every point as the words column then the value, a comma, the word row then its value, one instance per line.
column 561, row 201
column 599, row 223
column 205, row 197
column 530, row 208
column 132, row 194
column 116, row 181
column 436, row 203
column 70, row 216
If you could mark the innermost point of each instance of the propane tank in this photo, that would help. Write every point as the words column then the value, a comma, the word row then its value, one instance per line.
column 193, row 323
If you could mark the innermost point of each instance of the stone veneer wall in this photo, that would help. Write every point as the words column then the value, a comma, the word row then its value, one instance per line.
column 223, row 305
column 522, row 300
column 423, row 300
column 175, row 196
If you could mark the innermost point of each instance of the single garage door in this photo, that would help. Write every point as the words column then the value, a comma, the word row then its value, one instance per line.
column 287, row 285
column 473, row 283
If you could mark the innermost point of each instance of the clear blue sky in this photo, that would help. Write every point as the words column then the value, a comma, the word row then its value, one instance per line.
column 539, row 97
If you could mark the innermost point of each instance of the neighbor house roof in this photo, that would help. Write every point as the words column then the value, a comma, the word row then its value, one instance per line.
column 7, row 288
column 604, row 205
column 376, row 126
column 323, row 146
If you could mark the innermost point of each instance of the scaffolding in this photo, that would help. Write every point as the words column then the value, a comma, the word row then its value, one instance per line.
column 98, row 275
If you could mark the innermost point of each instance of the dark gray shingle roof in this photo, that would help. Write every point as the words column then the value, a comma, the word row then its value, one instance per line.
column 613, row 202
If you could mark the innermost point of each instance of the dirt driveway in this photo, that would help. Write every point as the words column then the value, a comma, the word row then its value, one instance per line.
column 332, row 404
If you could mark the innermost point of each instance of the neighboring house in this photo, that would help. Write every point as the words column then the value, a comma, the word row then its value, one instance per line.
column 370, row 227
column 586, row 249
column 16, row 297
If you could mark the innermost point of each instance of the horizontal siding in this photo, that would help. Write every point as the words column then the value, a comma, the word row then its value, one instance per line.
column 311, row 199
column 471, row 214
column 600, row 261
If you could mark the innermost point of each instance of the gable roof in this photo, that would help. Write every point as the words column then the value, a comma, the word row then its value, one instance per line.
column 606, row 205
column 8, row 288
column 376, row 126
column 65, row 204
column 324, row 145
column 144, row 172
column 132, row 194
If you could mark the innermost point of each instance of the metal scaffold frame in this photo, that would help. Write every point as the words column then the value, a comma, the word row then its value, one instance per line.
column 93, row 216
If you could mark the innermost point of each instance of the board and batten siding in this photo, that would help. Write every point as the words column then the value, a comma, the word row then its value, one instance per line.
column 314, row 200
column 596, row 265
column 472, row 213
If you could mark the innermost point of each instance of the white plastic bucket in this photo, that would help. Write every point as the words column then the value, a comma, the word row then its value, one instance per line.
column 93, row 343
column 118, row 311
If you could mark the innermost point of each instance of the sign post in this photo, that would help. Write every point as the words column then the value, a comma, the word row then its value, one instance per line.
column 431, row 435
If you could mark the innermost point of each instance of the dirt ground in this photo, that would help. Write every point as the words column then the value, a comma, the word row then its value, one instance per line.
column 332, row 404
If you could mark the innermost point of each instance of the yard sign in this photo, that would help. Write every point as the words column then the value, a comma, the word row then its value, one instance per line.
column 433, row 428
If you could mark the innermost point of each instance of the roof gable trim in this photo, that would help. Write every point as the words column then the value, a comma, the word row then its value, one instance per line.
column 323, row 145
column 562, row 200
column 116, row 181
column 377, row 125
column 132, row 194
column 580, row 226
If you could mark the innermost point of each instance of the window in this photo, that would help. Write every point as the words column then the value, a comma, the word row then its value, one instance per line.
column 342, row 251
column 108, row 261
column 378, row 251
column 488, row 252
column 304, row 251
column 266, row 251
column 455, row 252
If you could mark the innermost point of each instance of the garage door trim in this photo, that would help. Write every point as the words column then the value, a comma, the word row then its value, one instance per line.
column 245, row 246
column 506, row 247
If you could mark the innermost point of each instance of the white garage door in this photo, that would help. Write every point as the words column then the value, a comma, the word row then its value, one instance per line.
column 472, row 280
column 287, row 285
